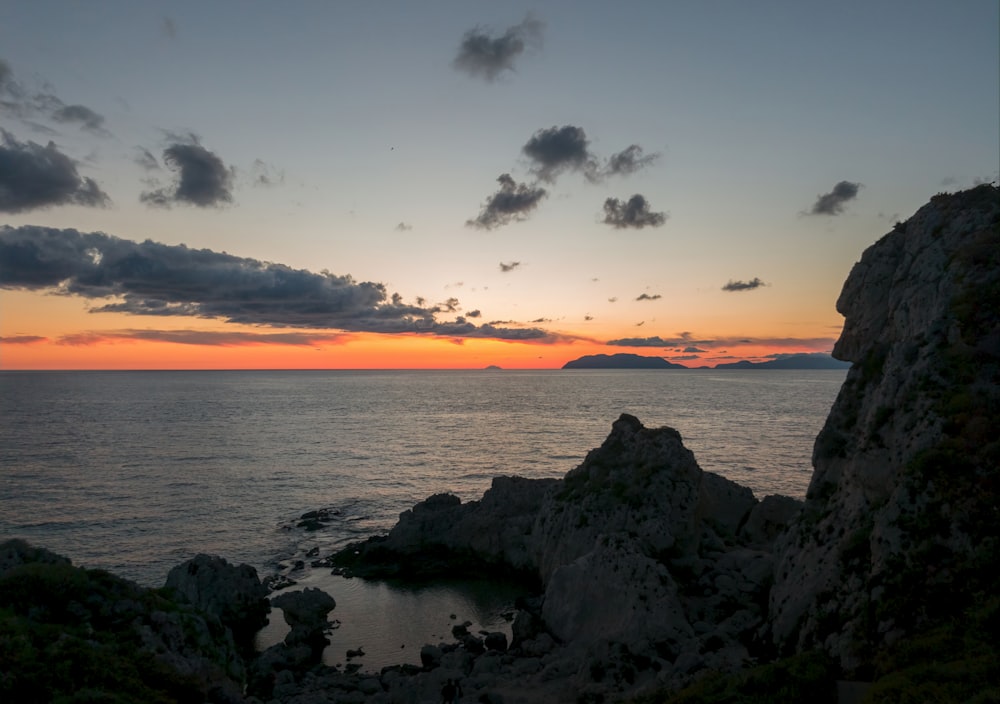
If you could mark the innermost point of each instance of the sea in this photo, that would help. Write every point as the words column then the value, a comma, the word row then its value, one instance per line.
column 136, row 471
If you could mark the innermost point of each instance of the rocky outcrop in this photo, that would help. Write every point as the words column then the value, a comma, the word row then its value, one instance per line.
column 305, row 611
column 899, row 525
column 232, row 593
column 636, row 546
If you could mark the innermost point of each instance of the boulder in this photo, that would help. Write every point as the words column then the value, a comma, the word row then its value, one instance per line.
column 232, row 593
column 305, row 611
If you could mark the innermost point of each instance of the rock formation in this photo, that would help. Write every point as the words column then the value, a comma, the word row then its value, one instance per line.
column 232, row 593
column 900, row 520
column 305, row 611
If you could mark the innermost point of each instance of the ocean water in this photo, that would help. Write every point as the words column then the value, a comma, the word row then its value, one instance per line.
column 136, row 472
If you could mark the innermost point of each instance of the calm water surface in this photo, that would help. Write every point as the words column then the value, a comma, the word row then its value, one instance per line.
column 136, row 472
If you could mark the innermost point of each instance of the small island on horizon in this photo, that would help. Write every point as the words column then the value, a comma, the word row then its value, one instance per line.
column 806, row 360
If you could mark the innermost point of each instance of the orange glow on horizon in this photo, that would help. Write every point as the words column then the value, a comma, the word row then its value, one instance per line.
column 362, row 351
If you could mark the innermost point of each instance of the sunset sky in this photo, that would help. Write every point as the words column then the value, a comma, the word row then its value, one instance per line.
column 325, row 184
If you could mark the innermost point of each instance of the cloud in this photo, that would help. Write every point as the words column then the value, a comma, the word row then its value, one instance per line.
column 168, row 27
column 150, row 278
column 634, row 214
column 486, row 57
column 628, row 161
column 33, row 177
column 647, row 297
column 560, row 149
column 207, row 338
column 686, row 339
column 266, row 175
column 743, row 285
column 693, row 350
column 511, row 203
column 403, row 227
column 22, row 339
column 146, row 160
column 82, row 115
column 18, row 101
column 832, row 203
column 509, row 266
column 202, row 178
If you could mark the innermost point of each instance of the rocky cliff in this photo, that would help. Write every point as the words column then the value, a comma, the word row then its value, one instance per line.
column 899, row 528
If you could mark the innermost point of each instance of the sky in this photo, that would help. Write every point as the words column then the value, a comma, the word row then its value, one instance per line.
column 244, row 184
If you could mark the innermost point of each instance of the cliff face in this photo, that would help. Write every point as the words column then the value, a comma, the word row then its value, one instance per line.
column 899, row 527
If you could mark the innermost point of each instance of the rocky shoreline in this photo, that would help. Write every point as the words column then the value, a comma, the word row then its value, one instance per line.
column 646, row 574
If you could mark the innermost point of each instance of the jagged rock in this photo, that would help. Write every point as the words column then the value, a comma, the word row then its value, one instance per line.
column 232, row 593
column 305, row 611
column 900, row 517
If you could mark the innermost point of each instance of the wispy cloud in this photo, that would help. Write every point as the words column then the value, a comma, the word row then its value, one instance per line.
column 266, row 175
column 22, row 339
column 509, row 266
column 202, row 179
column 833, row 203
column 743, row 285
column 628, row 161
column 688, row 339
column 34, row 177
column 511, row 203
column 27, row 106
column 403, row 227
column 484, row 56
column 648, row 297
column 154, row 279
column 634, row 214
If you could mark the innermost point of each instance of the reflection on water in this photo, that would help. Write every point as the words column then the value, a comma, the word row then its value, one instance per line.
column 391, row 622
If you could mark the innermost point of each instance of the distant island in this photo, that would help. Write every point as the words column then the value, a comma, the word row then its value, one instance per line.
column 812, row 360
column 620, row 361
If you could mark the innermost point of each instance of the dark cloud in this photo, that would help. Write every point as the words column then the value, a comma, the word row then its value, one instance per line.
column 647, row 297
column 202, row 178
column 560, row 149
column 150, row 278
column 511, row 203
column 474, row 314
column 210, row 338
column 743, row 285
column 83, row 116
column 483, row 56
column 33, row 177
column 633, row 214
column 404, row 227
column 832, row 203
column 509, row 266
column 628, row 161
column 693, row 350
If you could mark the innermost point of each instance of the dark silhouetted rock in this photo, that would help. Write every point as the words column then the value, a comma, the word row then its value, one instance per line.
column 232, row 593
